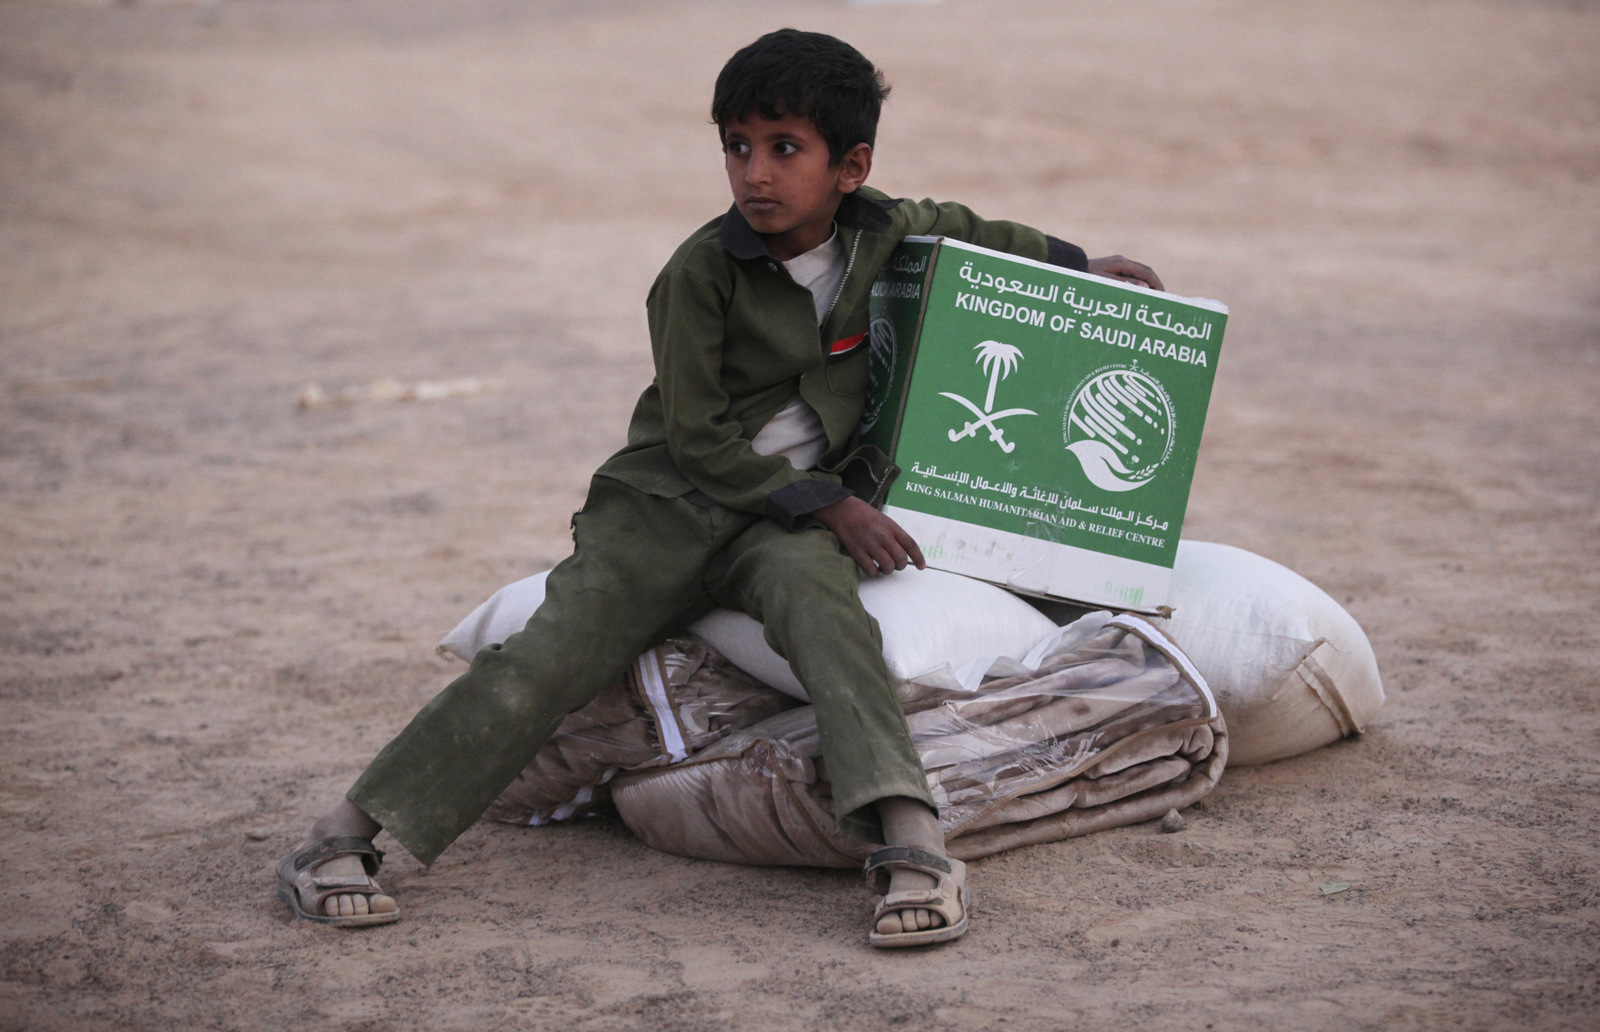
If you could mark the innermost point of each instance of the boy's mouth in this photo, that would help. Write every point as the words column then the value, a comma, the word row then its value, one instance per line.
column 761, row 204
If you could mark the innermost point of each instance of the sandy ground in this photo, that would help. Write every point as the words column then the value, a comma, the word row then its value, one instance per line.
column 217, row 606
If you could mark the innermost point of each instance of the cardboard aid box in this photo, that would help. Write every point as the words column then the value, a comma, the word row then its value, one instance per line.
column 1046, row 422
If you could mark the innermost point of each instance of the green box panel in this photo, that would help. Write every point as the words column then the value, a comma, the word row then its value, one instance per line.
column 1042, row 404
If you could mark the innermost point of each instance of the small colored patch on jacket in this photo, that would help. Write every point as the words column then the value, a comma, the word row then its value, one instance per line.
column 845, row 345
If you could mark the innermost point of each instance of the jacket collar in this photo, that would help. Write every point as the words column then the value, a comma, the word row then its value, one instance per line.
column 856, row 211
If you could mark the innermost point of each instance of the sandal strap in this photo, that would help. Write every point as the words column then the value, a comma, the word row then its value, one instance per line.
column 358, row 882
column 909, row 856
column 913, row 899
column 345, row 845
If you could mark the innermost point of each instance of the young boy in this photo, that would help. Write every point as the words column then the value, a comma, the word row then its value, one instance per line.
column 730, row 492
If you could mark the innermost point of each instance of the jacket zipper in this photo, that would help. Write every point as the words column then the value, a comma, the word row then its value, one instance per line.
column 848, row 265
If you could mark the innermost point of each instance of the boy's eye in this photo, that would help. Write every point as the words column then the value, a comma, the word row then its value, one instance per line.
column 738, row 148
column 785, row 147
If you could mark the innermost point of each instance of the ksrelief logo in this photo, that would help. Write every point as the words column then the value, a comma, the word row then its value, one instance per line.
column 1119, row 426
column 998, row 361
column 881, row 351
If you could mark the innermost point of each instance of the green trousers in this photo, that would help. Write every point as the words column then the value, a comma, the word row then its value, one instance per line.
column 643, row 567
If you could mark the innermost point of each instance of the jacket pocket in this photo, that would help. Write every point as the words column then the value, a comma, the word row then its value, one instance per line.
column 849, row 377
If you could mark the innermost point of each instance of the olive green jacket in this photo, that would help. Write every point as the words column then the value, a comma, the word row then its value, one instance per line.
column 734, row 337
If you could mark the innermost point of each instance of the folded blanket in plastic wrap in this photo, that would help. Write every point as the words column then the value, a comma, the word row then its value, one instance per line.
column 1105, row 723
column 677, row 699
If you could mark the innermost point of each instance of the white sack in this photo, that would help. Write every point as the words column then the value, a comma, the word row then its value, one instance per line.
column 1290, row 668
column 930, row 619
column 499, row 617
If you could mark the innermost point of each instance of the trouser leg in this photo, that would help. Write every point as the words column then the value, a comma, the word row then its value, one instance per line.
column 803, row 590
column 635, row 569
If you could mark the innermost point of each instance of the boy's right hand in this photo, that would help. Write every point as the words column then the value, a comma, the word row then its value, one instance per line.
column 1127, row 270
column 878, row 544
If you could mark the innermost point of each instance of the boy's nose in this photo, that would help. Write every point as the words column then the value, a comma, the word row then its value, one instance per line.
column 759, row 170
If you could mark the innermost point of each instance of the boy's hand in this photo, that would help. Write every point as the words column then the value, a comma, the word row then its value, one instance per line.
column 1117, row 267
column 874, row 541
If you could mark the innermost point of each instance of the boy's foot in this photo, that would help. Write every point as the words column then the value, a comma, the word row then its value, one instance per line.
column 917, row 869
column 338, row 855
column 903, row 880
column 936, row 911
column 329, row 881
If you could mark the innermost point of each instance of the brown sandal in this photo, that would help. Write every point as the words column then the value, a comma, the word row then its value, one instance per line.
column 950, row 898
column 298, row 881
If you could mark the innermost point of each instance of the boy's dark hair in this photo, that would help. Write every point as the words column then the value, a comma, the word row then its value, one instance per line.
column 809, row 74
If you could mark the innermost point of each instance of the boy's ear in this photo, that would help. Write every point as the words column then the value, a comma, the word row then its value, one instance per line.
column 854, row 168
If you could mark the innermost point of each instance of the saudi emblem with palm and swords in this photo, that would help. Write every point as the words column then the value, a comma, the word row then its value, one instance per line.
column 998, row 361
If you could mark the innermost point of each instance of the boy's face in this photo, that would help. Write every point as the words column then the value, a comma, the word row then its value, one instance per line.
column 783, row 182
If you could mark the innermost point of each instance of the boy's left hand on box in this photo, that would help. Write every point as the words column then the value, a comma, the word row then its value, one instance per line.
column 878, row 544
column 1126, row 269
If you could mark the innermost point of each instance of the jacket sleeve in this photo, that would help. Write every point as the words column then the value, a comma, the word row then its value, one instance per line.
column 707, row 445
column 789, row 506
column 958, row 221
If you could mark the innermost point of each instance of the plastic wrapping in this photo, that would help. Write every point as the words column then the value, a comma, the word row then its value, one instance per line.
column 1091, row 708
column 1107, row 723
column 677, row 699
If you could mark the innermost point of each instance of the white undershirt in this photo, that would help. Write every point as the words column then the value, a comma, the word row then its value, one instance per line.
column 796, row 432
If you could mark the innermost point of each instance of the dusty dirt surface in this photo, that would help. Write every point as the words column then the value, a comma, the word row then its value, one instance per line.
column 217, row 606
